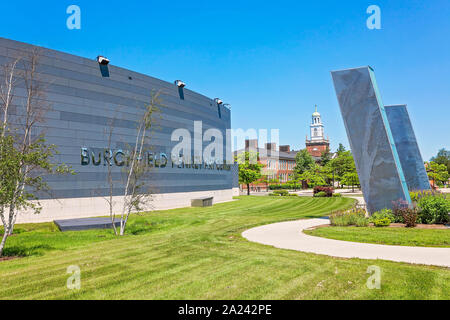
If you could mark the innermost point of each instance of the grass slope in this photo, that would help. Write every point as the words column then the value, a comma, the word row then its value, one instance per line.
column 198, row 253
column 391, row 236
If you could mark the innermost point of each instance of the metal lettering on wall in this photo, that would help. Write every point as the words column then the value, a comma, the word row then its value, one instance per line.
column 122, row 158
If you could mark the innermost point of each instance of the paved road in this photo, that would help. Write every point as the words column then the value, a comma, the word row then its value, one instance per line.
column 289, row 235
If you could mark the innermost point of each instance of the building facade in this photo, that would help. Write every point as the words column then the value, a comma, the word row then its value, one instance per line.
column 85, row 96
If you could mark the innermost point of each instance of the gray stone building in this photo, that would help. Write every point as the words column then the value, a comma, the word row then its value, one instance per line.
column 85, row 95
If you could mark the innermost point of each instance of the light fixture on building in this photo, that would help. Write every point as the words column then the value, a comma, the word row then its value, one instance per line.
column 102, row 60
column 180, row 84
column 218, row 101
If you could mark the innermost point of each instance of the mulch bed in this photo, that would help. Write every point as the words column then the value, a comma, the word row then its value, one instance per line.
column 396, row 225
column 420, row 226
column 8, row 258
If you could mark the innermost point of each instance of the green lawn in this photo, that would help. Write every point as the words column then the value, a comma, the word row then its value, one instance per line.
column 392, row 236
column 198, row 253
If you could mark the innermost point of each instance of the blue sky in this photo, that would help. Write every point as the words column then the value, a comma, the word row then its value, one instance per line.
column 269, row 60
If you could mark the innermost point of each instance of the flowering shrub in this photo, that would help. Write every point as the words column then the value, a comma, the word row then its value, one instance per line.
column 419, row 194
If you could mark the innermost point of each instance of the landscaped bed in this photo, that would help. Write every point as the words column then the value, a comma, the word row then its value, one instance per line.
column 396, row 234
column 421, row 224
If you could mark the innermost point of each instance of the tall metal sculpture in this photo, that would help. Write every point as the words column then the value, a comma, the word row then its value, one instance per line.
column 371, row 140
column 407, row 147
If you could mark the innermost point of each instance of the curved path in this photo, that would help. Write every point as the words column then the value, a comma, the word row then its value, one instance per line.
column 289, row 235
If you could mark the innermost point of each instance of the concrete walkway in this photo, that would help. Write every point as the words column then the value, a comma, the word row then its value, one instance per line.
column 289, row 235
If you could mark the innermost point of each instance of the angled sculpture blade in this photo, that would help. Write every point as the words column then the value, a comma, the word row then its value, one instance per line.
column 371, row 141
column 407, row 147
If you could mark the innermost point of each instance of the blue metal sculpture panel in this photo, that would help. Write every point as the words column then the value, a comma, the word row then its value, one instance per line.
column 407, row 147
column 376, row 158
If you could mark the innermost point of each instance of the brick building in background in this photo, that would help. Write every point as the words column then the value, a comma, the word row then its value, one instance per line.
column 279, row 163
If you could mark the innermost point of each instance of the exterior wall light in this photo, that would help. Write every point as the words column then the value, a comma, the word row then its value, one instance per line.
column 218, row 101
column 103, row 60
column 180, row 84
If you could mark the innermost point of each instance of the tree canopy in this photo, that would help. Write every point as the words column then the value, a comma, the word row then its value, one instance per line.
column 438, row 173
column 339, row 166
column 340, row 149
column 442, row 157
column 325, row 157
column 249, row 168
column 303, row 162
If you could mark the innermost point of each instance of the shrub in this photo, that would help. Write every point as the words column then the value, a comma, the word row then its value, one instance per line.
column 347, row 218
column 293, row 195
column 285, row 186
column 279, row 193
column 410, row 217
column 382, row 214
column 399, row 207
column 320, row 194
column 434, row 209
column 382, row 222
column 337, row 195
column 328, row 190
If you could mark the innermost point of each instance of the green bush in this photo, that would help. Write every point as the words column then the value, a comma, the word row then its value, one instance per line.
column 280, row 193
column 337, row 195
column 434, row 209
column 285, row 186
column 382, row 222
column 293, row 195
column 320, row 194
column 382, row 214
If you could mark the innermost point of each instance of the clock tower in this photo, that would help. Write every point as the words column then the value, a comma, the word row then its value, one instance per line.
column 317, row 144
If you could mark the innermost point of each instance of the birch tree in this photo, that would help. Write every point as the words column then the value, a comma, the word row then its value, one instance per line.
column 110, row 197
column 137, row 195
column 24, row 154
